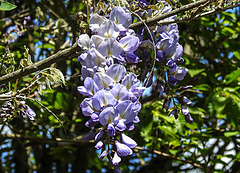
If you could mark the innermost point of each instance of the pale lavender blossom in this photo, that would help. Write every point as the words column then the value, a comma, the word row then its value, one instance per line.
column 116, row 159
column 108, row 115
column 128, row 141
column 108, row 29
column 122, row 149
column 95, row 22
column 121, row 17
column 185, row 110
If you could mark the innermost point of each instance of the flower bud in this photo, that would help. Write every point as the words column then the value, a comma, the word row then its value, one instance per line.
column 186, row 101
column 122, row 149
column 189, row 118
column 116, row 159
column 99, row 145
column 185, row 110
column 166, row 104
column 128, row 141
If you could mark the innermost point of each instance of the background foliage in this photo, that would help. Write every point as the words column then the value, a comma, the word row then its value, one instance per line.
column 209, row 144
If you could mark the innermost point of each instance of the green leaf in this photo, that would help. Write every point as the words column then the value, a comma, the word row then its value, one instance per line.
column 227, row 30
column 192, row 126
column 194, row 72
column 78, row 120
column 229, row 134
column 232, row 76
column 163, row 116
column 174, row 152
column 237, row 54
column 219, row 104
column 6, row 6
column 238, row 156
column 203, row 87
column 52, row 119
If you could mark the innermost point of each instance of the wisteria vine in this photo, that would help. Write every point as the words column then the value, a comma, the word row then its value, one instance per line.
column 112, row 102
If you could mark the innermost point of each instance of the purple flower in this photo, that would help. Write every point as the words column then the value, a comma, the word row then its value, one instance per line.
column 180, row 73
column 147, row 44
column 108, row 29
column 102, row 80
column 89, row 106
column 103, row 154
column 177, row 56
column 89, row 88
column 30, row 113
column 175, row 113
column 172, row 112
column 136, row 119
column 105, row 98
column 172, row 80
column 108, row 115
column 129, row 43
column 185, row 110
column 116, row 72
column 186, row 87
column 130, row 81
column 159, row 55
column 99, row 145
column 89, row 136
column 96, row 40
column 161, row 91
column 109, row 47
column 110, row 130
column 120, row 92
column 90, row 123
column 84, row 41
column 186, row 101
column 92, row 58
column 94, row 117
column 128, row 141
column 120, row 126
column 142, row 3
column 189, row 118
column 116, row 159
column 132, row 58
column 99, row 135
column 166, row 104
column 95, row 22
column 122, row 18
column 126, row 110
column 130, row 126
column 122, row 149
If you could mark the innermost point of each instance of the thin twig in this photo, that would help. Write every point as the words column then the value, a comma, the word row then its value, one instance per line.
column 154, row 20
column 186, row 19
column 61, row 55
column 154, row 48
column 49, row 112
column 75, row 141
column 169, row 156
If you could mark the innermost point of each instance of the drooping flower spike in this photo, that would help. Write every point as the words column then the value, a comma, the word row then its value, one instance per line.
column 113, row 93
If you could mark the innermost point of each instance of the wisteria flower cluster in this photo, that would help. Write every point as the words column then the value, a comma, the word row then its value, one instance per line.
column 169, row 53
column 112, row 93
column 17, row 109
column 14, row 32
column 112, row 102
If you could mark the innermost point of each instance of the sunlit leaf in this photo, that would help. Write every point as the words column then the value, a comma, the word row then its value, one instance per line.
column 6, row 6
